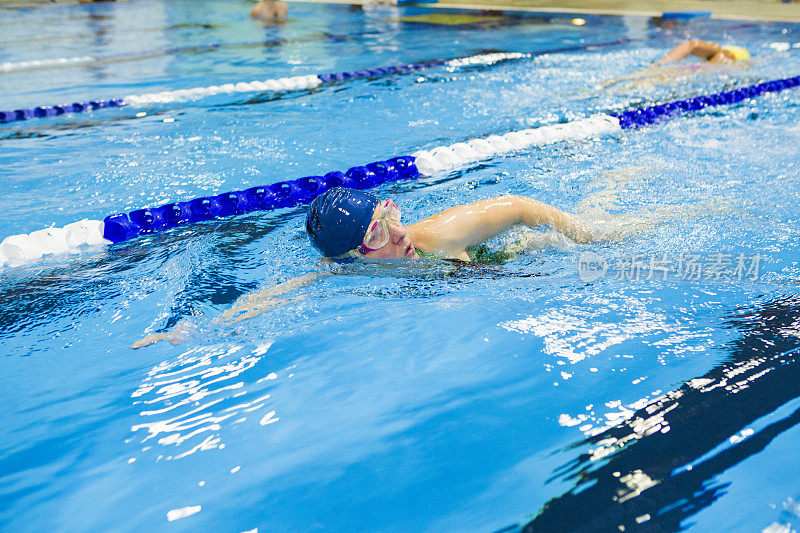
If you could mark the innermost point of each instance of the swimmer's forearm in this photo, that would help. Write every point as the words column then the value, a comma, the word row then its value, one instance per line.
column 266, row 299
column 452, row 231
column 677, row 53
column 535, row 213
column 704, row 49
column 247, row 307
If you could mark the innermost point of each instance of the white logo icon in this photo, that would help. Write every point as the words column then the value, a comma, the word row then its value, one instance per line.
column 591, row 266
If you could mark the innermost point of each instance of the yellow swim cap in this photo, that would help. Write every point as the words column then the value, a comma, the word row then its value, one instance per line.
column 738, row 52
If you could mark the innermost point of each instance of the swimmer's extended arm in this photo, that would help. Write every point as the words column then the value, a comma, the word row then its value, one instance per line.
column 658, row 72
column 705, row 49
column 454, row 230
column 247, row 306
column 252, row 305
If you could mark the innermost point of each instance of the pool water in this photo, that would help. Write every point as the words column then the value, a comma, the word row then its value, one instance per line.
column 497, row 397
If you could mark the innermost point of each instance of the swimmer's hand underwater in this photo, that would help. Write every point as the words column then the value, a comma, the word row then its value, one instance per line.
column 248, row 306
column 176, row 335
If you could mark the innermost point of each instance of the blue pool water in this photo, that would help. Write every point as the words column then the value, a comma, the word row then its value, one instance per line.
column 514, row 397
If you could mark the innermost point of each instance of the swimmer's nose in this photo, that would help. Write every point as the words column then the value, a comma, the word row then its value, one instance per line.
column 397, row 231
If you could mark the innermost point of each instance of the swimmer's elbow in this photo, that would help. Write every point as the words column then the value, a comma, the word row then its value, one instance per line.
column 517, row 209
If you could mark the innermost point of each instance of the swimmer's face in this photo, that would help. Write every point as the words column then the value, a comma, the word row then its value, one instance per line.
column 398, row 246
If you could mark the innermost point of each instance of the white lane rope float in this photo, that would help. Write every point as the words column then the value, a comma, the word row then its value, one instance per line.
column 18, row 249
column 290, row 83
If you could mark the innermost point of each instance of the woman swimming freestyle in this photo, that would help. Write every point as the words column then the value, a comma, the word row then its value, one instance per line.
column 710, row 51
column 348, row 225
column 665, row 70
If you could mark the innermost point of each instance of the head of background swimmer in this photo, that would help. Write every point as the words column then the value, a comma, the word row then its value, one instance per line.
column 345, row 224
column 737, row 52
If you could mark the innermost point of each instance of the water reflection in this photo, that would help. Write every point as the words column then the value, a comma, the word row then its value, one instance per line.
column 187, row 401
column 650, row 476
column 573, row 332
column 43, row 294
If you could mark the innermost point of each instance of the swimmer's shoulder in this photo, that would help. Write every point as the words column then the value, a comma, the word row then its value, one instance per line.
column 281, row 9
column 426, row 240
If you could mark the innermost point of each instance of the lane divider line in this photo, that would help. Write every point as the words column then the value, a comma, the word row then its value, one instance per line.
column 291, row 83
column 120, row 227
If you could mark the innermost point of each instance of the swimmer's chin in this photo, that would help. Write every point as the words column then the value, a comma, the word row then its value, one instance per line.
column 390, row 260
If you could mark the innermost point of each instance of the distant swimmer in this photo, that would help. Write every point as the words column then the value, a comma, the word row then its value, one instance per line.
column 710, row 51
column 349, row 225
column 270, row 11
column 665, row 70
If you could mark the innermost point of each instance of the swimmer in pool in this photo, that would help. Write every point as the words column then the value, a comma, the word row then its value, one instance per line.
column 664, row 70
column 348, row 225
column 712, row 52
column 270, row 11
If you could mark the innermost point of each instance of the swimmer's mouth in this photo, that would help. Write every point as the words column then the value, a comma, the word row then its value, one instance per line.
column 410, row 249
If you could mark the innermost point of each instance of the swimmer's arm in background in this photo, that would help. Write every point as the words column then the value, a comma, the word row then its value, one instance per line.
column 452, row 231
column 704, row 49
column 247, row 306
column 657, row 71
column 638, row 75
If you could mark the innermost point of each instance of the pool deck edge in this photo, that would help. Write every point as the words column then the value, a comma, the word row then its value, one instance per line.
column 742, row 10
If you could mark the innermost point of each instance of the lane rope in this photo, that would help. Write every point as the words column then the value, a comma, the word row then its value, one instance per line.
column 291, row 83
column 120, row 227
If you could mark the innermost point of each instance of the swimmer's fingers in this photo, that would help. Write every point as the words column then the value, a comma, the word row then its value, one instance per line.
column 149, row 339
column 178, row 334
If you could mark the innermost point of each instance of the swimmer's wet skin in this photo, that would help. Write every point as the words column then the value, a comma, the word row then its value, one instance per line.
column 710, row 51
column 348, row 224
column 664, row 70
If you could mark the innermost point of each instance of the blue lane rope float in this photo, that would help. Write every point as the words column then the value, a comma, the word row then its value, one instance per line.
column 126, row 226
column 661, row 112
column 288, row 83
column 122, row 226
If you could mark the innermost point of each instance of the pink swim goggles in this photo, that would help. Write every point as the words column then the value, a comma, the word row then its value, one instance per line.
column 378, row 233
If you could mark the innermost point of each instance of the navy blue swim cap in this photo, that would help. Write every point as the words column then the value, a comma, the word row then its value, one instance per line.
column 338, row 219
